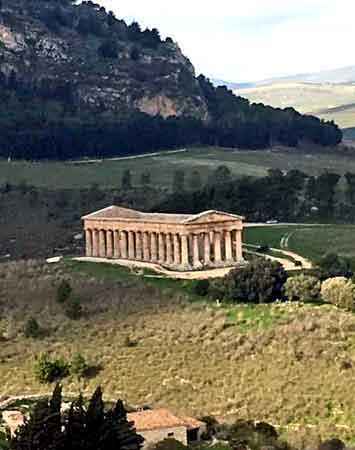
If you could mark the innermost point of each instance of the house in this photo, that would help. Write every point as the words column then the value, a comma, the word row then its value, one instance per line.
column 158, row 424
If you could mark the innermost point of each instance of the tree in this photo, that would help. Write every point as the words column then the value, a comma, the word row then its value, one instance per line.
column 48, row 371
column 108, row 49
column 95, row 417
column 127, row 180
column 79, row 366
column 303, row 288
column 135, row 54
column 261, row 281
column 146, row 179
column 221, row 175
column 332, row 265
column 179, row 181
column 195, row 180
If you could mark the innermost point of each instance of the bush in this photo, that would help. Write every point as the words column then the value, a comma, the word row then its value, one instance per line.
column 259, row 282
column 302, row 288
column 64, row 291
column 73, row 309
column 340, row 292
column 32, row 328
column 201, row 287
column 332, row 444
column 79, row 366
column 108, row 49
column 169, row 444
column 48, row 371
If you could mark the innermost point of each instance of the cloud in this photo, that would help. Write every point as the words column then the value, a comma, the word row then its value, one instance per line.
column 243, row 40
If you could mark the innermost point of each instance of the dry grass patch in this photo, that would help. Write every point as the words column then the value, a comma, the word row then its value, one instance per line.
column 290, row 365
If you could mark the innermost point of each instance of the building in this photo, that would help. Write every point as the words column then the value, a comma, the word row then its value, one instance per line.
column 154, row 425
column 159, row 424
column 175, row 241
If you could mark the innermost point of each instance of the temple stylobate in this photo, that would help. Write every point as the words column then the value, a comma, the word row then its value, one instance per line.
column 175, row 241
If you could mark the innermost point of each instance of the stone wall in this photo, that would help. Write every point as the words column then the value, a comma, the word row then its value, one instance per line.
column 154, row 436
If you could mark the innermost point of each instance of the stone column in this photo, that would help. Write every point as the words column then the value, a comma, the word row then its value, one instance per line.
column 146, row 253
column 116, row 244
column 131, row 249
column 217, row 248
column 89, row 243
column 109, row 243
column 228, row 246
column 139, row 248
column 207, row 249
column 238, row 246
column 95, row 242
column 102, row 244
column 123, row 245
column 161, row 248
column 185, row 251
column 196, row 263
column 153, row 247
column 177, row 252
column 169, row 249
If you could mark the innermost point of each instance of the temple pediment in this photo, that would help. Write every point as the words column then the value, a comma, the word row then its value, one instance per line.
column 213, row 216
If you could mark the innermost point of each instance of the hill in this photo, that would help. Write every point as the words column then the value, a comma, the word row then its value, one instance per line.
column 327, row 101
column 333, row 76
column 77, row 81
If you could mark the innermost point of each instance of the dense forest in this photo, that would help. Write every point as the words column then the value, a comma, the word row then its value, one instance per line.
column 47, row 116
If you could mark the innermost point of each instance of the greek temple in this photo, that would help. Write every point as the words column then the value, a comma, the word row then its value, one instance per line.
column 182, row 242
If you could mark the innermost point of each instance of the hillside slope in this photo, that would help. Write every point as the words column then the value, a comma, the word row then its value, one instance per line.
column 327, row 101
column 76, row 81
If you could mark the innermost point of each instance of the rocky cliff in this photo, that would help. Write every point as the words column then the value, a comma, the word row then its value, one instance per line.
column 55, row 47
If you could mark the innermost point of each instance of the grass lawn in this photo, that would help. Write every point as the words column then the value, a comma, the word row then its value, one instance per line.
column 312, row 241
column 108, row 174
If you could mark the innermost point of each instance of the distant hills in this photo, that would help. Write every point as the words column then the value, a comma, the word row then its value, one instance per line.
column 328, row 94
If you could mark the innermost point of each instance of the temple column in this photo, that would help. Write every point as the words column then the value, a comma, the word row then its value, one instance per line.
column 109, row 244
column 177, row 253
column 153, row 247
column 238, row 246
column 89, row 243
column 123, row 245
column 131, row 249
column 102, row 244
column 116, row 244
column 185, row 251
column 146, row 253
column 217, row 248
column 95, row 242
column 169, row 249
column 161, row 248
column 139, row 249
column 207, row 249
column 196, row 263
column 228, row 246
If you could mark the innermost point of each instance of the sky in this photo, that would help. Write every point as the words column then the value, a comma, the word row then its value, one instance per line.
column 248, row 40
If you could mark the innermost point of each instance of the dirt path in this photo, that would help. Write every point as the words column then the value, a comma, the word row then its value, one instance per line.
column 288, row 265
column 138, row 267
column 125, row 158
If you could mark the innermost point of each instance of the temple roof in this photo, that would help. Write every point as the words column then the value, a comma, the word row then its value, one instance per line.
column 118, row 213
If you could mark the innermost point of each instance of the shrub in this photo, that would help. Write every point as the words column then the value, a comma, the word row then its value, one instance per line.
column 32, row 328
column 302, row 288
column 340, row 292
column 332, row 444
column 64, row 291
column 79, row 366
column 201, row 287
column 169, row 444
column 48, row 371
column 73, row 309
column 259, row 282
column 108, row 49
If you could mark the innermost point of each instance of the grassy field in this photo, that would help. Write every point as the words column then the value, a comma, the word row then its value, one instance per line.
column 308, row 98
column 108, row 174
column 286, row 364
column 309, row 241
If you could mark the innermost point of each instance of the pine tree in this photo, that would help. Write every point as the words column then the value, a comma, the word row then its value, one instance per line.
column 75, row 427
column 95, row 417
